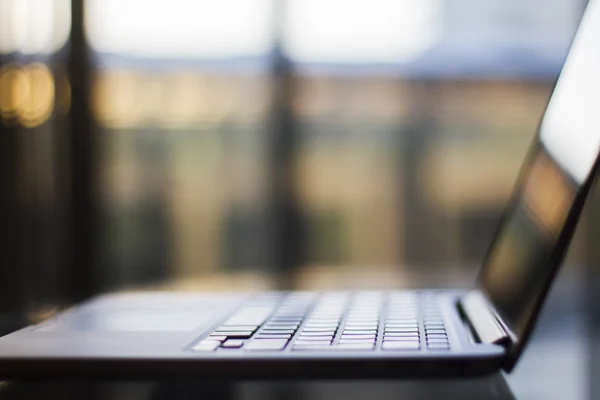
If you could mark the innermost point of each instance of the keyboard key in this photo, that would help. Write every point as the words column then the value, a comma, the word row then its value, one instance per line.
column 358, row 337
column 352, row 322
column 396, row 321
column 400, row 345
column 322, row 333
column 370, row 316
column 277, row 321
column 438, row 346
column 401, row 330
column 360, row 328
column 412, row 321
column 314, row 339
column 436, row 336
column 440, row 342
column 394, row 325
column 435, row 331
column 232, row 344
column 235, row 335
column 277, row 331
column 307, row 329
column 393, row 333
column 206, row 346
column 266, row 345
column 435, row 326
column 398, row 338
column 364, row 332
column 270, row 327
column 216, row 337
column 288, row 320
column 437, row 340
column 311, row 328
column 401, row 334
column 273, row 336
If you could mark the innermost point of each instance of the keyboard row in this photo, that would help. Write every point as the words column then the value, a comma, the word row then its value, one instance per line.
column 276, row 344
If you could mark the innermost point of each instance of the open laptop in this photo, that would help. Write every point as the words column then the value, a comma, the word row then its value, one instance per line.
column 362, row 334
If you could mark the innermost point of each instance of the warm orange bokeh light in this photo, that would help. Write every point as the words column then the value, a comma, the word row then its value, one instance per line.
column 14, row 86
column 26, row 94
column 38, row 103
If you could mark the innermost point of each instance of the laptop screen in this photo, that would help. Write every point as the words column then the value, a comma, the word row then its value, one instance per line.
column 537, row 225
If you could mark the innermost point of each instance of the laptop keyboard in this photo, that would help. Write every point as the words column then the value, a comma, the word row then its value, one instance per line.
column 304, row 322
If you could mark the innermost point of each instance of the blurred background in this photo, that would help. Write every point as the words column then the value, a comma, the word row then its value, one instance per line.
column 200, row 144
column 264, row 143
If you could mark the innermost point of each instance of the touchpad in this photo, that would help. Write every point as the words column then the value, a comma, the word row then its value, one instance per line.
column 132, row 320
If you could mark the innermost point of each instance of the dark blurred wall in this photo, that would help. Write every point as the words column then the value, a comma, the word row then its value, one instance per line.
column 11, row 272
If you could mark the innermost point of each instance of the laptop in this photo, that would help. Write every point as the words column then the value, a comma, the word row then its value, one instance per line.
column 370, row 334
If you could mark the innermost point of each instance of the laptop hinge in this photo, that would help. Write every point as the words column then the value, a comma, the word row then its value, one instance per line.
column 482, row 320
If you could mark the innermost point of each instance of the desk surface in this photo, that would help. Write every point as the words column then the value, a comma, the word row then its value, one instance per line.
column 555, row 366
column 493, row 387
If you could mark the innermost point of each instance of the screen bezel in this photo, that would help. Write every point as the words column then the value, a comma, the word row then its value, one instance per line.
column 519, row 339
column 556, row 256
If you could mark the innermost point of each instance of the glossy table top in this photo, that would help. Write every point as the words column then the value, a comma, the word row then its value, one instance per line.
column 493, row 387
